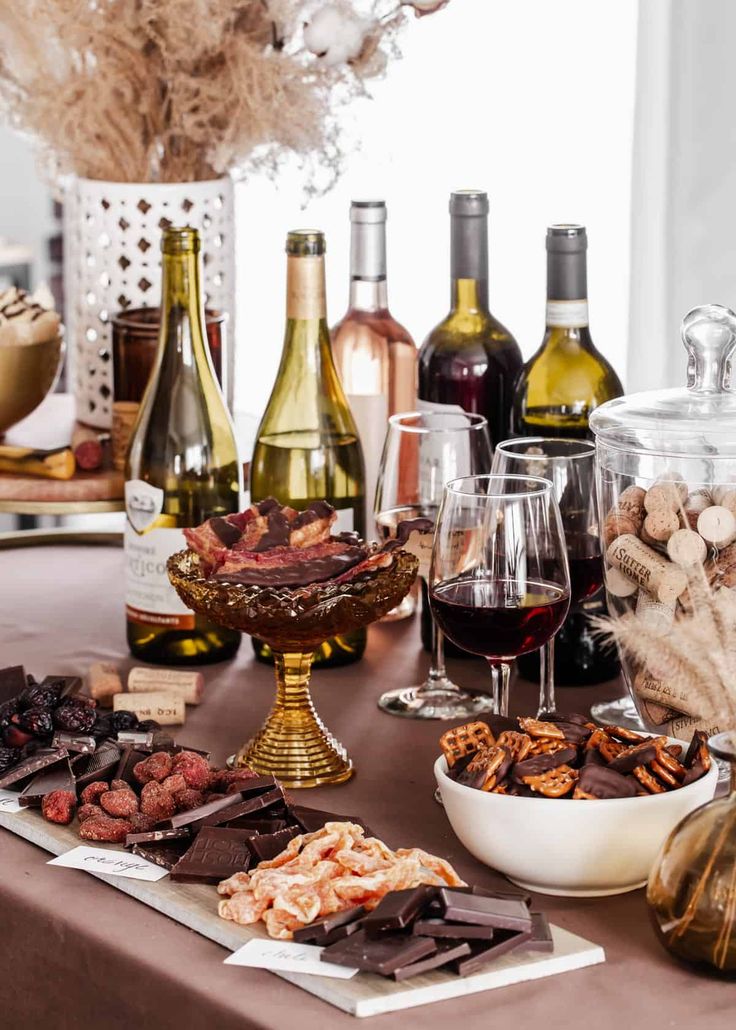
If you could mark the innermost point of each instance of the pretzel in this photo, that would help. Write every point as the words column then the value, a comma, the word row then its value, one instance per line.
column 555, row 783
column 610, row 749
column 517, row 744
column 500, row 788
column 543, row 746
column 674, row 749
column 621, row 733
column 663, row 774
column 464, row 740
column 596, row 738
column 581, row 795
column 535, row 728
column 669, row 762
column 486, row 763
column 647, row 781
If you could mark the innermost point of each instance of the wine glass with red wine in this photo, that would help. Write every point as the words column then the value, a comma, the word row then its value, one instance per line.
column 499, row 578
column 422, row 451
column 570, row 466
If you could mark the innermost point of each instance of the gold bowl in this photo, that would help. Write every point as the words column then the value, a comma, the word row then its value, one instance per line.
column 294, row 744
column 28, row 372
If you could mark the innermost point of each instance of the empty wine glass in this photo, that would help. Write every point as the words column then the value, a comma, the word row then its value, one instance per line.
column 570, row 466
column 499, row 578
column 422, row 451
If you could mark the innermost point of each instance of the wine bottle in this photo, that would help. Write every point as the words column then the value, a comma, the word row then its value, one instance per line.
column 307, row 446
column 375, row 355
column 470, row 361
column 556, row 391
column 181, row 468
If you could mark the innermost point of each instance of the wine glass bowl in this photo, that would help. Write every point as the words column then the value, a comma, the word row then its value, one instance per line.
column 499, row 577
column 293, row 744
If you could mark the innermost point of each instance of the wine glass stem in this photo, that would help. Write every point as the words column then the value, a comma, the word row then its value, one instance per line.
column 500, row 672
column 437, row 670
column 547, row 678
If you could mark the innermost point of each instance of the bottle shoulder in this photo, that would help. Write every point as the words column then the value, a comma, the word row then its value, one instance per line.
column 380, row 323
column 469, row 339
column 570, row 369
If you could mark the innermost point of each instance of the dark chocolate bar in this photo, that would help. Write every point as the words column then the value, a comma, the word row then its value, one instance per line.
column 483, row 953
column 382, row 955
column 56, row 777
column 446, row 952
column 244, row 807
column 196, row 815
column 502, row 913
column 139, row 739
column 397, row 909
column 155, row 836
column 163, row 853
column 266, row 846
column 28, row 767
column 312, row 819
column 316, row 931
column 457, row 931
column 257, row 826
column 80, row 743
column 541, row 938
column 100, row 765
column 217, row 853
column 12, row 682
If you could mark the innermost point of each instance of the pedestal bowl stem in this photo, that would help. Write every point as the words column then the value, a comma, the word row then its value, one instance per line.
column 294, row 744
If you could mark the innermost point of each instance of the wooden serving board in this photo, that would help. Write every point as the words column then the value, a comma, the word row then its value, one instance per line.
column 195, row 906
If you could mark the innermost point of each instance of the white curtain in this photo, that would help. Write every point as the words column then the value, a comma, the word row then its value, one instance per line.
column 683, row 236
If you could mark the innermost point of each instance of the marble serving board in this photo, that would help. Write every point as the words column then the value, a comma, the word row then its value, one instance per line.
column 195, row 906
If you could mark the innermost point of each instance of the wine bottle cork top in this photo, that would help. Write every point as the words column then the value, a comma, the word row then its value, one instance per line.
column 305, row 243
column 180, row 240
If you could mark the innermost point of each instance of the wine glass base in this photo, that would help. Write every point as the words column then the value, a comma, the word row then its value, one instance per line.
column 434, row 701
column 620, row 712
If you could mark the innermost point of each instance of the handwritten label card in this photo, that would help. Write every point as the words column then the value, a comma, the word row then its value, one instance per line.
column 9, row 801
column 113, row 863
column 287, row 957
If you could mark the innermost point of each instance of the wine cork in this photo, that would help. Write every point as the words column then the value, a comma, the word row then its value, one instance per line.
column 684, row 726
column 166, row 708
column 103, row 682
column 663, row 580
column 660, row 524
column 695, row 503
column 626, row 516
column 654, row 614
column 717, row 525
column 721, row 491
column 185, row 683
column 656, row 714
column 686, row 548
column 619, row 584
column 652, row 689
column 667, row 492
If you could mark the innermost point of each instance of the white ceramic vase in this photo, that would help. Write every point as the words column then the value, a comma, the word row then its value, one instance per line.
column 112, row 262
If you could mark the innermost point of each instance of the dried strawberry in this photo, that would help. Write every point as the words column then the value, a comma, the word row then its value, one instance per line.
column 103, row 828
column 14, row 736
column 174, row 783
column 92, row 792
column 194, row 768
column 120, row 785
column 156, row 767
column 157, row 802
column 58, row 806
column 88, row 811
column 188, row 799
column 119, row 803
column 141, row 823
column 221, row 779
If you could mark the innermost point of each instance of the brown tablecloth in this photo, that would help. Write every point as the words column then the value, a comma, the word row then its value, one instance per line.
column 78, row 954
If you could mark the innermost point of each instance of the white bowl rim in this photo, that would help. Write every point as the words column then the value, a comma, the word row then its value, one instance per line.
column 440, row 772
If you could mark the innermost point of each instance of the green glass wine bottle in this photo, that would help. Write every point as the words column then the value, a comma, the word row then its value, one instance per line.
column 182, row 467
column 307, row 447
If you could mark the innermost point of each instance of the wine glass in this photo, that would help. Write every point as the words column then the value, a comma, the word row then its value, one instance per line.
column 499, row 577
column 570, row 466
column 421, row 452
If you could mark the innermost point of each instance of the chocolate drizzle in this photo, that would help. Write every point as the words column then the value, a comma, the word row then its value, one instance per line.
column 297, row 573
column 277, row 533
column 316, row 510
column 225, row 531
column 405, row 529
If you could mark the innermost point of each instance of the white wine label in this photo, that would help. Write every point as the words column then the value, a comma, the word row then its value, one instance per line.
column 567, row 314
column 345, row 521
column 150, row 599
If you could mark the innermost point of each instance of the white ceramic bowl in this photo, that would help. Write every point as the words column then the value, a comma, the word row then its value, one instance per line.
column 573, row 848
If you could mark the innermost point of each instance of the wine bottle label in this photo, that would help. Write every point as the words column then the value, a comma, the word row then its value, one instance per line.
column 150, row 540
column 567, row 314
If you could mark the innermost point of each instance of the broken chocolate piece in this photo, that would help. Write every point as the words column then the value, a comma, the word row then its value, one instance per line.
column 382, row 955
column 77, row 742
column 266, row 846
column 56, row 777
column 216, row 853
column 483, row 953
column 100, row 765
column 461, row 931
column 446, row 952
column 162, row 853
column 269, row 799
column 28, row 767
column 12, row 682
column 156, row 836
column 316, row 931
column 397, row 909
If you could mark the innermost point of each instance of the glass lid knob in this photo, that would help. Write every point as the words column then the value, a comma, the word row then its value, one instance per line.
column 709, row 336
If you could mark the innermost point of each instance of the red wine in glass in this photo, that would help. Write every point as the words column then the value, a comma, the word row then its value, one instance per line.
column 494, row 619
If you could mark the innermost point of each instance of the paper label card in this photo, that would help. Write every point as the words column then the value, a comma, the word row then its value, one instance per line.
column 113, row 863
column 287, row 957
column 9, row 801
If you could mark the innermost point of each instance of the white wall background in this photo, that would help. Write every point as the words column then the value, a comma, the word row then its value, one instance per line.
column 25, row 202
column 531, row 100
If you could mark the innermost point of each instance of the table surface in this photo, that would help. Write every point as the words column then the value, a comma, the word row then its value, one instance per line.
column 87, row 956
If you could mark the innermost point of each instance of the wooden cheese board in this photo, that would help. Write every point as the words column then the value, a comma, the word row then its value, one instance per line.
column 195, row 906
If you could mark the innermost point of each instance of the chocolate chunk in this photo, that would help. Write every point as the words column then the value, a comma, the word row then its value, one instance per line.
column 503, row 913
column 98, row 766
column 574, row 733
column 339, row 934
column 461, row 931
column 258, row 826
column 382, row 955
column 268, row 504
column 225, row 531
column 12, row 682
column 460, row 765
column 56, row 777
column 499, row 723
column 541, row 938
column 244, row 807
column 691, row 754
column 217, row 853
column 156, row 836
column 397, row 909
column 593, row 757
column 140, row 739
column 481, row 953
column 627, row 761
column 251, row 786
column 164, row 853
column 316, row 510
column 543, row 763
column 196, row 815
column 446, row 952
column 28, row 767
column 311, row 819
column 325, row 925
column 605, row 782
column 266, row 846
column 77, row 742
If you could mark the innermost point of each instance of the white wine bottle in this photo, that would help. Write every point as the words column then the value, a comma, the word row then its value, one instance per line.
column 307, row 447
column 181, row 468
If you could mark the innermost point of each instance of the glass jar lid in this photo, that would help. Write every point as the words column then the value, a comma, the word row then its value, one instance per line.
column 693, row 420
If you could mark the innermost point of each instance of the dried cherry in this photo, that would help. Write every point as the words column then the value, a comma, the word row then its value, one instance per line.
column 122, row 721
column 74, row 716
column 9, row 756
column 36, row 721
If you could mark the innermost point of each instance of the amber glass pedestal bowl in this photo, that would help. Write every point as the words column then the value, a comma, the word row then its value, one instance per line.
column 294, row 744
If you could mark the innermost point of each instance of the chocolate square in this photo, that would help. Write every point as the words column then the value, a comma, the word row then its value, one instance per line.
column 56, row 777
column 502, row 913
column 481, row 953
column 12, row 682
column 446, row 952
column 397, row 909
column 266, row 846
column 457, row 931
column 320, row 928
column 162, row 853
column 216, row 853
column 382, row 955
